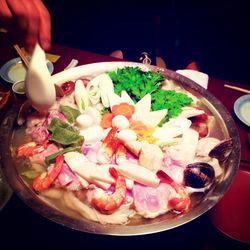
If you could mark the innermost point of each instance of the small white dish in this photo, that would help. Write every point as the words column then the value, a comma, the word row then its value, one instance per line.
column 242, row 109
column 14, row 70
column 19, row 87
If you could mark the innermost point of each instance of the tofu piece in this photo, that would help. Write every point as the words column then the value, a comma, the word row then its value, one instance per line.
column 138, row 173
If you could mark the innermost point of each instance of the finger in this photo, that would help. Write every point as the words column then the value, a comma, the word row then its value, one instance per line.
column 33, row 22
column 26, row 20
column 44, row 33
column 5, row 15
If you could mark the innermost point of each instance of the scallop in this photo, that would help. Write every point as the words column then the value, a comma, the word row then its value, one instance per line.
column 120, row 122
column 127, row 135
column 199, row 175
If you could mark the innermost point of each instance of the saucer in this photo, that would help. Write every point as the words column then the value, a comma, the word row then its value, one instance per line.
column 14, row 70
column 242, row 109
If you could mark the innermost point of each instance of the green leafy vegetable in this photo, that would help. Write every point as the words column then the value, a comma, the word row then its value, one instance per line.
column 56, row 122
column 138, row 83
column 50, row 158
column 70, row 113
column 171, row 100
column 63, row 133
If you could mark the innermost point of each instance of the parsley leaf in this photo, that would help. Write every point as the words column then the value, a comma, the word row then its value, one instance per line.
column 137, row 83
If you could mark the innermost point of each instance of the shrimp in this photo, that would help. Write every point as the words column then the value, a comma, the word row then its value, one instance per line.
column 121, row 153
column 46, row 179
column 30, row 149
column 107, row 203
column 109, row 147
column 182, row 201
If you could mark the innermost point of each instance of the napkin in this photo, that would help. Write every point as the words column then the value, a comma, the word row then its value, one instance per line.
column 197, row 76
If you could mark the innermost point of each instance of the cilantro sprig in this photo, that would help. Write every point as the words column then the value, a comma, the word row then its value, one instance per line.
column 137, row 83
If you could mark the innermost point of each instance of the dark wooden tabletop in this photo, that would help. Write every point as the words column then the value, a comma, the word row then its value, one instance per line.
column 20, row 227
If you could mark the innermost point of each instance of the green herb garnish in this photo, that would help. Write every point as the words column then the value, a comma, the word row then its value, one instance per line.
column 137, row 83
column 171, row 100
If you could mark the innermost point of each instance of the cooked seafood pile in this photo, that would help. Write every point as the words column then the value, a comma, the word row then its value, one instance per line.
column 122, row 144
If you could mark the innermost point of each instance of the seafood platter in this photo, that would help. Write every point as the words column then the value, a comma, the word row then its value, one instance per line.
column 123, row 149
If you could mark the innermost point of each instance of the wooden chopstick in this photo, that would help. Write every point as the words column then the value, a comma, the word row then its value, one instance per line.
column 237, row 88
column 22, row 55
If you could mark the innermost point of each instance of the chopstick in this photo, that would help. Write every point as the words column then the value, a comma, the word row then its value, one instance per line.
column 21, row 54
column 237, row 88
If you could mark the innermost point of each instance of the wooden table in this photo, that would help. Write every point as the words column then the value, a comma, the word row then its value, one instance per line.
column 20, row 227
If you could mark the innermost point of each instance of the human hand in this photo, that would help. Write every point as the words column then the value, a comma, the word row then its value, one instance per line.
column 27, row 21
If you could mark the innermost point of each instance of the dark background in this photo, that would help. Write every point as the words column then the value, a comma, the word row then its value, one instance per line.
column 214, row 34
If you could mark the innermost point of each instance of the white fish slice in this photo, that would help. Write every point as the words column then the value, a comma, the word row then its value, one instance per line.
column 38, row 83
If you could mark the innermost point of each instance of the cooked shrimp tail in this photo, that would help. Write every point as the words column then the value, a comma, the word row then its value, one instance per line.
column 107, row 203
column 45, row 180
column 181, row 200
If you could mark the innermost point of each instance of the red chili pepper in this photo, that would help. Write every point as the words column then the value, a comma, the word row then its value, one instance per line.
column 68, row 87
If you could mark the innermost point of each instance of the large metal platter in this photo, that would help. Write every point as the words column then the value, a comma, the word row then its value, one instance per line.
column 165, row 222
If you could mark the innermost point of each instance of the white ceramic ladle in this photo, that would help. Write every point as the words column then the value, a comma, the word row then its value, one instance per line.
column 40, row 90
